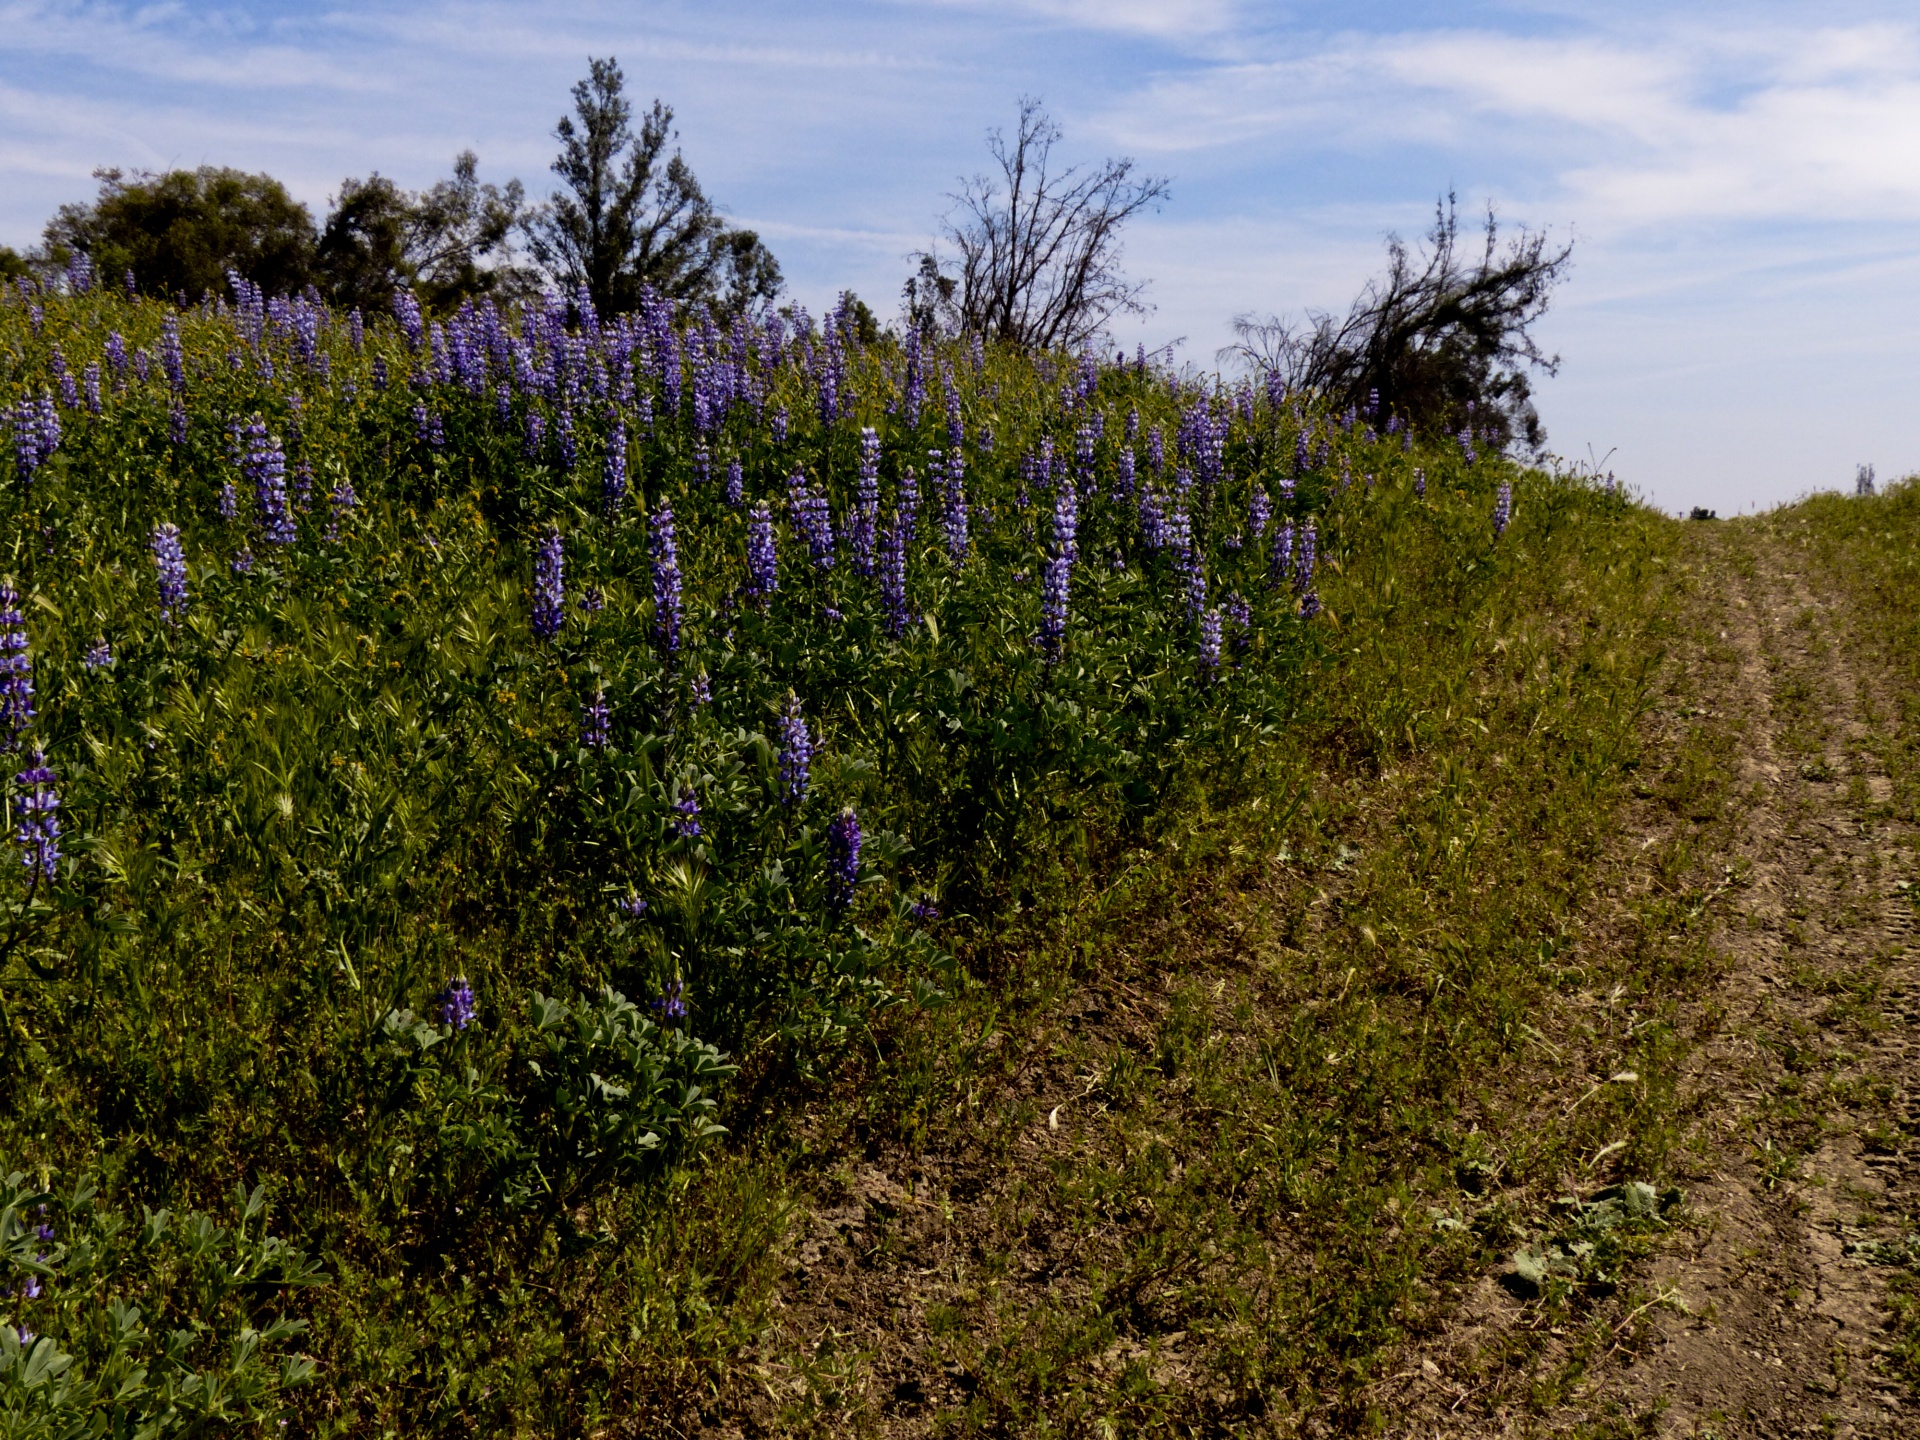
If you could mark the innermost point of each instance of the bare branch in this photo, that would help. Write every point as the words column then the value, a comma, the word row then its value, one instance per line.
column 1037, row 249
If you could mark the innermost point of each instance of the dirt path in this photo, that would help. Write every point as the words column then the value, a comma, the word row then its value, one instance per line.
column 1810, row 1083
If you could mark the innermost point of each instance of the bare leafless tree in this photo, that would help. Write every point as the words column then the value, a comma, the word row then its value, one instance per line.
column 1443, row 336
column 1036, row 249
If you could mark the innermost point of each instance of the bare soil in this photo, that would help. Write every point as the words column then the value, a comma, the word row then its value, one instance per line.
column 1768, row 1314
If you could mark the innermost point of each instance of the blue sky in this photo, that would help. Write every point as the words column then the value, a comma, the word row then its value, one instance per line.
column 1742, row 184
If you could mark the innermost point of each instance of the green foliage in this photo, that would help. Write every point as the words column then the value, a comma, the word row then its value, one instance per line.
column 445, row 244
column 150, row 1330
column 182, row 231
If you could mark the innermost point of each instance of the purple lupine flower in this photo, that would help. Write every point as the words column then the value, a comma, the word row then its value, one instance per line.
column 1502, row 508
column 1056, row 584
column 16, row 671
column 1259, row 511
column 796, row 753
column 1465, row 437
column 596, row 722
column 865, row 519
column 1309, row 550
column 736, row 490
column 1210, row 642
column 1123, row 479
column 893, row 573
column 171, row 563
column 177, row 424
column 356, row 329
column 700, row 691
column 592, row 600
column 26, row 439
column 1280, row 566
column 843, row 860
column 1309, row 604
column 671, row 1003
column 229, row 501
column 1420, row 482
column 549, row 586
column 613, row 482
column 763, row 562
column 457, row 1004
column 1066, row 524
column 780, row 423
column 953, row 508
column 116, row 354
column 92, row 382
column 687, row 811
column 1239, row 617
column 907, row 503
column 406, row 310
column 265, row 464
column 427, row 428
column 79, row 272
column 631, row 906
column 1083, row 452
column 924, row 910
column 1188, row 566
column 812, row 517
column 242, row 562
column 39, row 809
column 1157, row 451
column 340, row 504
column 172, row 358
column 665, row 558
column 99, row 655
column 536, row 437
column 1153, row 518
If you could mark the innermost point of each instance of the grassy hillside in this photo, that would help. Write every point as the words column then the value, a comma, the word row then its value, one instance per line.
column 538, row 798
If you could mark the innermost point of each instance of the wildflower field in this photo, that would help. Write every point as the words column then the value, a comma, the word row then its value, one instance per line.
column 498, row 800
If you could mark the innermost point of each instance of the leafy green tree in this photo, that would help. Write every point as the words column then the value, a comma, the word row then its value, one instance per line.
column 446, row 244
column 632, row 214
column 12, row 263
column 180, row 232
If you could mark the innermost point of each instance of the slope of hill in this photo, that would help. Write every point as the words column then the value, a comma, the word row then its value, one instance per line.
column 628, row 876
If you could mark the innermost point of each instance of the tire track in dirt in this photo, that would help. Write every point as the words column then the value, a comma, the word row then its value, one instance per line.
column 1784, row 1325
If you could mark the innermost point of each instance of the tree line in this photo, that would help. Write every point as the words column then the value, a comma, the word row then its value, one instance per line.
column 1029, row 255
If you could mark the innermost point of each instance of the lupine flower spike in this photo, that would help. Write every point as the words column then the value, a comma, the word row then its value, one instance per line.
column 171, row 563
column 16, row 671
column 796, row 753
column 843, row 860
column 457, row 1004
column 39, row 809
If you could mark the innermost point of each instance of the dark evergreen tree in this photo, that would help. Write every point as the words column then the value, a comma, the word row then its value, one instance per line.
column 631, row 214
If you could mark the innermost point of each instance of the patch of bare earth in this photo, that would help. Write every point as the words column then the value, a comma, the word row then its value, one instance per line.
column 1801, row 1092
